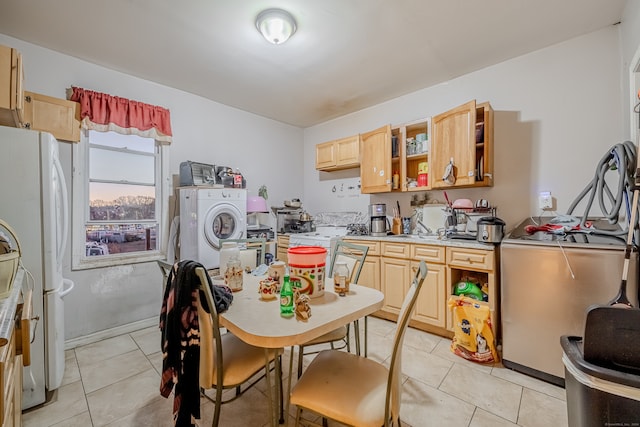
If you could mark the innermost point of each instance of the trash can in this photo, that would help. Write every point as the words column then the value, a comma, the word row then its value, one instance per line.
column 598, row 396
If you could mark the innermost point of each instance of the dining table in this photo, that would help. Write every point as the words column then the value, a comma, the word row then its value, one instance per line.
column 258, row 322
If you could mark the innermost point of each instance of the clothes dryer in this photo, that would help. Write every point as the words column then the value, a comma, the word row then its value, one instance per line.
column 208, row 215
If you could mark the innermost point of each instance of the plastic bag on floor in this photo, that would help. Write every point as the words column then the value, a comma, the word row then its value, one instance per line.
column 473, row 335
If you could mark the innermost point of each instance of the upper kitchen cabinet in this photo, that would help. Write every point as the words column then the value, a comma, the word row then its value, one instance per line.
column 11, row 87
column 464, row 136
column 59, row 117
column 375, row 160
column 413, row 155
column 343, row 153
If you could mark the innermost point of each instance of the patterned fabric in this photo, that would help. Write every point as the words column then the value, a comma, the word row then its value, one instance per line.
column 181, row 342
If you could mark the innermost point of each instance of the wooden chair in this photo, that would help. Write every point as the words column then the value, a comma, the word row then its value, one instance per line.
column 257, row 243
column 352, row 389
column 354, row 255
column 227, row 362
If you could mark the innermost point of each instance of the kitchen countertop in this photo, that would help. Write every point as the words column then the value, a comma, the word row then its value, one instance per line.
column 428, row 240
column 8, row 307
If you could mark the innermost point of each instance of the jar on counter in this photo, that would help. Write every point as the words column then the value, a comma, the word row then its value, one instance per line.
column 341, row 278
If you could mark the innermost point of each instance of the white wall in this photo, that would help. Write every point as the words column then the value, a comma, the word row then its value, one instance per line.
column 557, row 112
column 203, row 131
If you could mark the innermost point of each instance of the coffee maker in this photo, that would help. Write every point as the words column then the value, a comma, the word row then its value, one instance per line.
column 378, row 220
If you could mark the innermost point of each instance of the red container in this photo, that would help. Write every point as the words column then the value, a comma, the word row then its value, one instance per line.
column 423, row 180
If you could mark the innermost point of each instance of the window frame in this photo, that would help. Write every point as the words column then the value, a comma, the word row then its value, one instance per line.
column 80, row 210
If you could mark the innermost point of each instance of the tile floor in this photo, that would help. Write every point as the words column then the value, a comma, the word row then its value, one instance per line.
column 116, row 382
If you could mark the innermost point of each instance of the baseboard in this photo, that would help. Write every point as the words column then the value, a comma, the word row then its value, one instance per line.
column 110, row 333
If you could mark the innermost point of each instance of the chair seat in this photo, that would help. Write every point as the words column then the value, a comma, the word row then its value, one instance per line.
column 335, row 335
column 240, row 362
column 344, row 387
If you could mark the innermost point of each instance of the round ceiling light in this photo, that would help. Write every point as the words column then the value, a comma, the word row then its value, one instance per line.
column 276, row 25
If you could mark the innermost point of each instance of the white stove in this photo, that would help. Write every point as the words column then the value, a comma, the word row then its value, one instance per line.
column 324, row 236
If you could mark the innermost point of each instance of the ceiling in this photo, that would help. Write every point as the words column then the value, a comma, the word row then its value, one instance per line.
column 345, row 56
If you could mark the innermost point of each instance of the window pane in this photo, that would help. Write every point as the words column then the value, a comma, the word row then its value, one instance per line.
column 122, row 238
column 121, row 166
column 121, row 202
column 116, row 140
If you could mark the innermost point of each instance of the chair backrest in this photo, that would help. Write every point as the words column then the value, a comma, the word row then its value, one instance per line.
column 165, row 268
column 210, row 337
column 354, row 255
column 394, row 383
column 257, row 243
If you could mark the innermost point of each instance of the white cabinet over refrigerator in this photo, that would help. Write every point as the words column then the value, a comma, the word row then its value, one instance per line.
column 34, row 202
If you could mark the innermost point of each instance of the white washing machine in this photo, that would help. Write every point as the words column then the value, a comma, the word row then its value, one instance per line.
column 208, row 215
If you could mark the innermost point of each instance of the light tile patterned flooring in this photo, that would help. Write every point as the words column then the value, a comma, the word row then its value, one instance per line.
column 116, row 382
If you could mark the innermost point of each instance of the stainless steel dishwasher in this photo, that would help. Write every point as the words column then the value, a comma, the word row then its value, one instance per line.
column 547, row 283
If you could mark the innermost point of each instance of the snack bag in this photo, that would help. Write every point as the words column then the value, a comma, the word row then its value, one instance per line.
column 473, row 336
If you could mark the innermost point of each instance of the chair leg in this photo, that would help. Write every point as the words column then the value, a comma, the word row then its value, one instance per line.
column 300, row 354
column 279, row 373
column 356, row 335
column 366, row 319
column 348, row 340
column 216, row 410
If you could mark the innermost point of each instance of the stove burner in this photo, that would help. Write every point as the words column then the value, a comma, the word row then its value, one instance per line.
column 357, row 230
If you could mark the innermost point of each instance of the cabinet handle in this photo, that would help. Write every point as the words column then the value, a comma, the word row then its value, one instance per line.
column 27, row 98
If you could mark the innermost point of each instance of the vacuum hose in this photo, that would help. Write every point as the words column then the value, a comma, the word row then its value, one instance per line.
column 621, row 157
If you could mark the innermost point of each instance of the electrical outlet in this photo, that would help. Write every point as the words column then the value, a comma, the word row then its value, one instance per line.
column 545, row 201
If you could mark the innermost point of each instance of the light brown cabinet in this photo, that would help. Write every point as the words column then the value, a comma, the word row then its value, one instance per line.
column 282, row 246
column 54, row 115
column 343, row 153
column 411, row 154
column 14, row 354
column 464, row 136
column 11, row 87
column 395, row 264
column 482, row 267
column 375, row 161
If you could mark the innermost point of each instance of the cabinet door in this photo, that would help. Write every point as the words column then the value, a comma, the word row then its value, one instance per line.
column 432, row 300
column 370, row 273
column 54, row 115
column 11, row 87
column 454, row 138
column 375, row 161
column 348, row 152
column 325, row 155
column 396, row 277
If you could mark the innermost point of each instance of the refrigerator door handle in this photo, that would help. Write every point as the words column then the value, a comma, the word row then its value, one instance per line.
column 65, row 206
column 65, row 290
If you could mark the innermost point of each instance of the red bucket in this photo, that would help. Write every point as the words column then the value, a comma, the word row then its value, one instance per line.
column 307, row 267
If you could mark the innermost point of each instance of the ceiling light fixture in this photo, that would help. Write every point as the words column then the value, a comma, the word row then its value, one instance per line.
column 276, row 25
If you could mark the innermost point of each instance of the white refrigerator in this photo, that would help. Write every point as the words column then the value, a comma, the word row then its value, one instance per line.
column 34, row 201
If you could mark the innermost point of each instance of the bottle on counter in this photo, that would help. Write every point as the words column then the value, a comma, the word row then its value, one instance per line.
column 286, row 297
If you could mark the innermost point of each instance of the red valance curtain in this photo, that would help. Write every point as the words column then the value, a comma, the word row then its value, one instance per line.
column 102, row 112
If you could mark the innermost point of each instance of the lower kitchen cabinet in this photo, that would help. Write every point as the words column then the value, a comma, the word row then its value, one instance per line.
column 282, row 246
column 395, row 275
column 429, row 307
column 390, row 266
column 15, row 354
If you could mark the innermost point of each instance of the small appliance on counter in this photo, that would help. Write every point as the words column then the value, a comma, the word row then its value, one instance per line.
column 288, row 220
column 194, row 173
column 378, row 226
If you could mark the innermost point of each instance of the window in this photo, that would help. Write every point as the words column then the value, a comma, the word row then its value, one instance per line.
column 119, row 199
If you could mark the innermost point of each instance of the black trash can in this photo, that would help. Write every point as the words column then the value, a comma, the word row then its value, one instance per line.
column 598, row 396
